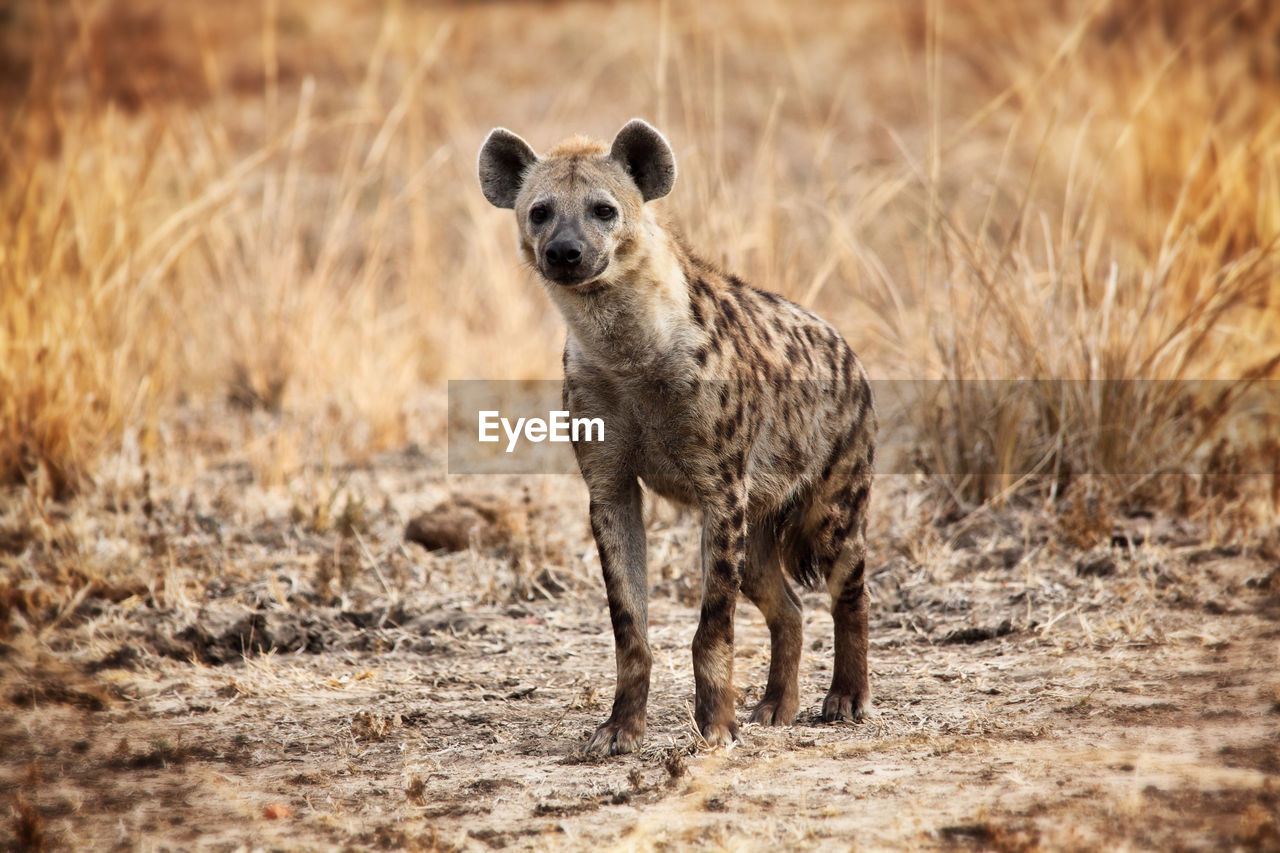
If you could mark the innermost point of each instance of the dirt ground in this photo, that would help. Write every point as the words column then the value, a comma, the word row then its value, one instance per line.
column 285, row 671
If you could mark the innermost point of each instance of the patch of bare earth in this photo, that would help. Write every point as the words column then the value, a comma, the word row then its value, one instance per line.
column 288, row 672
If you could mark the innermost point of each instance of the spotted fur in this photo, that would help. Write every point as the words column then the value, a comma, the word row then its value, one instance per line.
column 715, row 394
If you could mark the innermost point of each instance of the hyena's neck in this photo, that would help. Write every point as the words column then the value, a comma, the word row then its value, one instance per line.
column 640, row 316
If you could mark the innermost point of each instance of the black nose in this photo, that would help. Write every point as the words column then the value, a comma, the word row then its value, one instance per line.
column 564, row 253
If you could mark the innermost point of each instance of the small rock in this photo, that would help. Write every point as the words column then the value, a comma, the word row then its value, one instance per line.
column 456, row 526
column 978, row 634
column 1099, row 566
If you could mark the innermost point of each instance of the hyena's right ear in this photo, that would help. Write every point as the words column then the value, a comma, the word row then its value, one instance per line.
column 504, row 159
column 647, row 157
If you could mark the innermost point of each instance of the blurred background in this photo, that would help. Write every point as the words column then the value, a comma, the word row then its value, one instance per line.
column 271, row 208
column 243, row 251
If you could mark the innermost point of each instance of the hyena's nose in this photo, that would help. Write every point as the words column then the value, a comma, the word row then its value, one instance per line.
column 564, row 253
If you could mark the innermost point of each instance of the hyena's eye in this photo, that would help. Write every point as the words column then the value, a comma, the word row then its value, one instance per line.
column 538, row 214
column 605, row 211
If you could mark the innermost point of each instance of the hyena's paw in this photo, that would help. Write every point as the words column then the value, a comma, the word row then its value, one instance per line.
column 719, row 734
column 615, row 738
column 840, row 707
column 776, row 711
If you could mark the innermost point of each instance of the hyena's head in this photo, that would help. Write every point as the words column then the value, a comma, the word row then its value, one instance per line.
column 581, row 207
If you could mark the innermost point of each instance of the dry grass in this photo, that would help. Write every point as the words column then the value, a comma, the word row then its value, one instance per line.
column 277, row 208
column 1136, row 252
column 240, row 254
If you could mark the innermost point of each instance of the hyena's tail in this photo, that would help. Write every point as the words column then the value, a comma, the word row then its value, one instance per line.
column 806, row 565
column 813, row 529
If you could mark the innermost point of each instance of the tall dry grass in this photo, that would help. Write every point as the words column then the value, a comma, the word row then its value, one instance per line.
column 1138, row 253
column 276, row 207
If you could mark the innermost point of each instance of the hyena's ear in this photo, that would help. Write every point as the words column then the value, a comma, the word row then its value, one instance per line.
column 647, row 157
column 504, row 159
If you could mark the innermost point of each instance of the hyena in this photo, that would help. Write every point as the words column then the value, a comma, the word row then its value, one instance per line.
column 714, row 394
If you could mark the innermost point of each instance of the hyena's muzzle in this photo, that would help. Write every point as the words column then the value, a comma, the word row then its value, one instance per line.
column 568, row 258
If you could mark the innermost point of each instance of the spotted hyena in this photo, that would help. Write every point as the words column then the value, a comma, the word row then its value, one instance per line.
column 715, row 394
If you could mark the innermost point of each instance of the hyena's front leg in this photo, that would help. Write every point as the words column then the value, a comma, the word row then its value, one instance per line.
column 617, row 523
column 724, row 547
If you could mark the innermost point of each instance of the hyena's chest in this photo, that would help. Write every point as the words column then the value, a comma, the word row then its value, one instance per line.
column 665, row 431
column 681, row 438
column 776, row 433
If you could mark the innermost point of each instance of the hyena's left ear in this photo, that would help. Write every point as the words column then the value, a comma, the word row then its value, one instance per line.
column 647, row 157
column 504, row 159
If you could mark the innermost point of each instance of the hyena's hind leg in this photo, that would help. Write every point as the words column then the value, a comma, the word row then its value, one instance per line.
column 765, row 584
column 842, row 548
column 850, row 694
